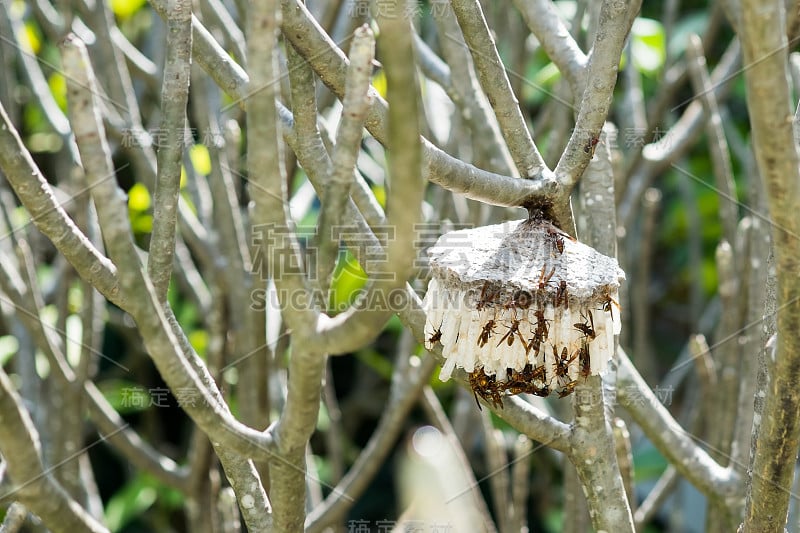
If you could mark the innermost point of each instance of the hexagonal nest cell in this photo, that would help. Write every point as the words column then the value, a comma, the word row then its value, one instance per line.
column 522, row 307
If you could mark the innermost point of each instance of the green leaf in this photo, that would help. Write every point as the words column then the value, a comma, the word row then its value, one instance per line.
column 33, row 37
column 125, row 396
column 648, row 45
column 136, row 497
column 379, row 82
column 9, row 345
column 348, row 279
column 142, row 224
column 380, row 194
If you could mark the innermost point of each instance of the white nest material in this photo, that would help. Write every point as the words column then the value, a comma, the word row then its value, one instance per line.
column 511, row 298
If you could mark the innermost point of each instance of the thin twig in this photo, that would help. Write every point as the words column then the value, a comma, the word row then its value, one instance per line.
column 174, row 96
column 475, row 111
column 545, row 23
column 755, row 233
column 403, row 396
column 718, row 147
column 348, row 143
column 330, row 64
column 679, row 138
column 669, row 437
column 33, row 485
column 601, row 77
column 497, row 463
column 357, row 326
column 520, row 482
column 656, row 497
column 494, row 81
column 640, row 302
column 50, row 218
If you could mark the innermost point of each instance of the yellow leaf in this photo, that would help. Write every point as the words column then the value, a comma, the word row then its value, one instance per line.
column 200, row 159
column 32, row 36
column 125, row 8
column 380, row 194
column 58, row 86
column 379, row 82
column 138, row 198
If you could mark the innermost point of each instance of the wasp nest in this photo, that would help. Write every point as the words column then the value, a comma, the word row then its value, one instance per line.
column 521, row 307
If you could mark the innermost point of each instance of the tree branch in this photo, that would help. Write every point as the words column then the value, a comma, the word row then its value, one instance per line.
column 764, row 48
column 174, row 96
column 50, row 218
column 601, row 77
column 545, row 23
column 33, row 485
column 348, row 143
column 494, row 81
column 669, row 437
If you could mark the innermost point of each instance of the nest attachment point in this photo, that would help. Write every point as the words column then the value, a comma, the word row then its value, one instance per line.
column 522, row 307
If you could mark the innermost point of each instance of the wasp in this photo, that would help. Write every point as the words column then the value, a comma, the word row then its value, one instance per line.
column 543, row 280
column 542, row 329
column 591, row 145
column 532, row 373
column 561, row 295
column 509, row 336
column 486, row 333
column 558, row 241
column 535, row 344
column 568, row 389
column 562, row 362
column 488, row 294
column 608, row 302
column 540, row 333
column 516, row 382
column 486, row 387
column 585, row 362
column 433, row 339
column 587, row 326
column 556, row 237
column 543, row 391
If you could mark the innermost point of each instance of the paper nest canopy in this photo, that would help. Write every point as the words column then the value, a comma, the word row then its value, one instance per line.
column 522, row 304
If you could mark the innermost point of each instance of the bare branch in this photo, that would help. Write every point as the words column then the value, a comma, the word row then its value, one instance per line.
column 330, row 64
column 720, row 157
column 655, row 498
column 494, row 81
column 348, row 143
column 33, row 485
column 596, row 464
column 764, row 48
column 545, row 23
column 174, row 96
column 402, row 397
column 50, row 218
column 601, row 78
column 671, row 440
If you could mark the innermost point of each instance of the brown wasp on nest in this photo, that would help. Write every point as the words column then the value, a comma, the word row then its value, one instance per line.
column 521, row 307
